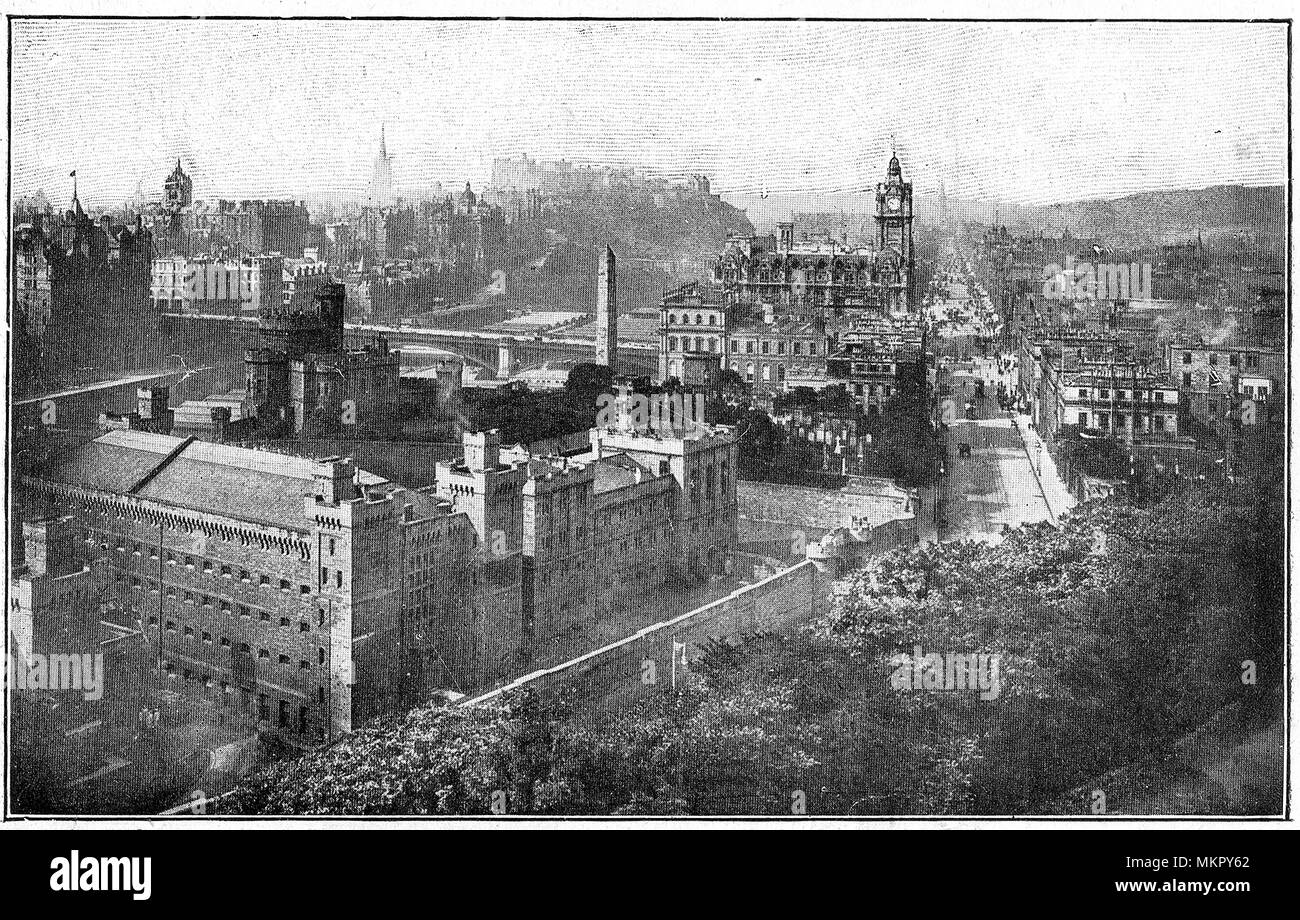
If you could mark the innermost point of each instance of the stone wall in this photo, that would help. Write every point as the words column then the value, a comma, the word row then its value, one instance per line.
column 618, row 673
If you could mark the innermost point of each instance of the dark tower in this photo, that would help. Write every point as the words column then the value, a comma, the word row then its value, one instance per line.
column 330, row 300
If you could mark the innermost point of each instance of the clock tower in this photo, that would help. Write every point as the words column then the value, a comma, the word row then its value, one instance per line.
column 894, row 231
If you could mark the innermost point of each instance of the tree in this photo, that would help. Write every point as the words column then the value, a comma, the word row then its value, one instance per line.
column 587, row 381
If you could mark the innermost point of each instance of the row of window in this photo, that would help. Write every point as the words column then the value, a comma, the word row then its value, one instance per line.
column 872, row 389
column 764, row 347
column 702, row 344
column 263, row 700
column 225, row 642
column 1252, row 361
column 225, row 606
column 767, row 372
column 686, row 319
column 207, row 566
column 1104, row 393
column 1122, row 421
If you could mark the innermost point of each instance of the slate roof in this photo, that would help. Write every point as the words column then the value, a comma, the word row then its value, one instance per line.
column 236, row 482
column 618, row 472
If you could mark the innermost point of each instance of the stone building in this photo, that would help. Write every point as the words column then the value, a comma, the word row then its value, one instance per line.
column 1095, row 381
column 1214, row 381
column 178, row 189
column 774, row 352
column 217, row 287
column 80, row 296
column 636, row 513
column 300, row 596
column 875, row 363
column 823, row 278
column 307, row 378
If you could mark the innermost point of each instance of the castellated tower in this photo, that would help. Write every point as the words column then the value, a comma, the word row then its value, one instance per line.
column 607, row 314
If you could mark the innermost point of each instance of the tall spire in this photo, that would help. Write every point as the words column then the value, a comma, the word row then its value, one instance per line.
column 383, row 146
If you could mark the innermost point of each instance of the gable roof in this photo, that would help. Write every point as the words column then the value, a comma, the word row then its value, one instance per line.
column 236, row 482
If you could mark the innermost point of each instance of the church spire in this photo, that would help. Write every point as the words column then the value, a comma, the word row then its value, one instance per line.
column 383, row 145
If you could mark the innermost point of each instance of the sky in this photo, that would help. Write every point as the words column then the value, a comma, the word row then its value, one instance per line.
column 1022, row 112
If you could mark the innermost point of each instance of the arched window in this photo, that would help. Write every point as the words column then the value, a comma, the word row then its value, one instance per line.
column 672, row 319
column 713, row 320
column 699, row 343
column 672, row 343
column 698, row 319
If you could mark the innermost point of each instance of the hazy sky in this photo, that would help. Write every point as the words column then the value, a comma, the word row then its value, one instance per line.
column 1023, row 112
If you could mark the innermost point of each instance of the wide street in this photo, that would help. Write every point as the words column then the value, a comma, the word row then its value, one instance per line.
column 991, row 485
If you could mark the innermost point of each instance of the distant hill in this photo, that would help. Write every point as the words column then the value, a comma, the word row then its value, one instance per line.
column 1181, row 212
column 1172, row 215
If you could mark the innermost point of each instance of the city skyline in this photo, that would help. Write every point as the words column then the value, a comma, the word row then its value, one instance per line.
column 1155, row 114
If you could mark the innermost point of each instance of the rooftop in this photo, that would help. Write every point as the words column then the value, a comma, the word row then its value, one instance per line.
column 249, row 485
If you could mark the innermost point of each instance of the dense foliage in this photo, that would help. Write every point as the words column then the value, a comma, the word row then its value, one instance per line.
column 1115, row 634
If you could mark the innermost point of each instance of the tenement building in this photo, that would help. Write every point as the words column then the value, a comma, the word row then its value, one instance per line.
column 1095, row 383
column 300, row 596
column 217, row 287
column 880, row 360
column 1215, row 380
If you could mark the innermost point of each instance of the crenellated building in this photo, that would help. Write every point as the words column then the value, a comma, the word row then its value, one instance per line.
column 299, row 596
column 641, row 511
column 308, row 379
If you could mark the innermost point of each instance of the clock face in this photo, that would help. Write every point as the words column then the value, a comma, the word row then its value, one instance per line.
column 893, row 203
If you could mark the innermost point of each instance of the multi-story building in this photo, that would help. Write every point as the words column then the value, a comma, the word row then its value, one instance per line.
column 637, row 512
column 695, row 321
column 178, row 189
column 820, row 278
column 773, row 352
column 1129, row 401
column 81, row 296
column 769, row 353
column 303, row 279
column 1095, row 381
column 782, row 313
column 1214, row 380
column 300, row 596
column 305, row 376
column 877, row 361
column 217, row 287
column 702, row 460
column 558, row 545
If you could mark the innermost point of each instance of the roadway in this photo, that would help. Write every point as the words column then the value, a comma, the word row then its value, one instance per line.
column 994, row 487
